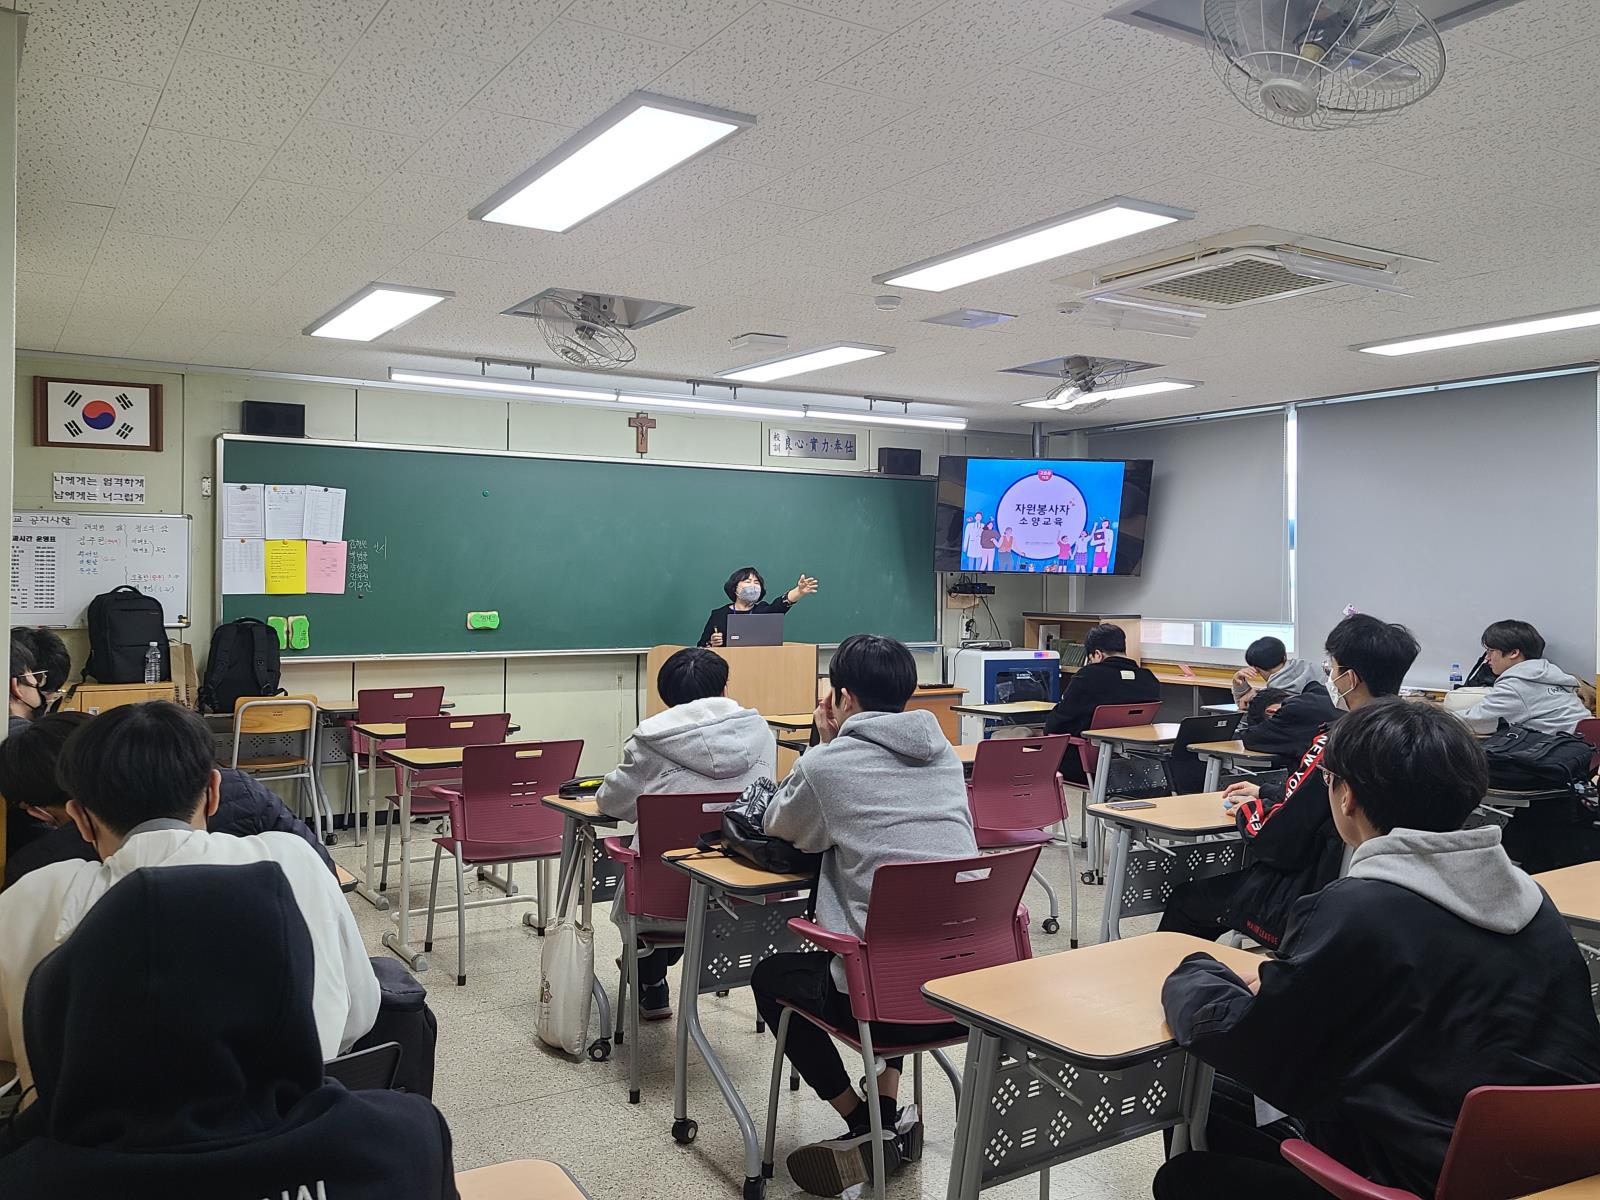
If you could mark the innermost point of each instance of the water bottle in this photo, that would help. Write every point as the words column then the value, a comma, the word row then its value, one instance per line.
column 152, row 663
column 1455, row 676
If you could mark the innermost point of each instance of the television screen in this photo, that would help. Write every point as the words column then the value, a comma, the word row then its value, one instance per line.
column 1072, row 516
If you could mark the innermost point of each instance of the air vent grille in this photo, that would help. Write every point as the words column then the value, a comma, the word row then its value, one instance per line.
column 1242, row 281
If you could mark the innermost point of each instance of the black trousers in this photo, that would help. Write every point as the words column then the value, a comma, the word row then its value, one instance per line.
column 1243, row 1162
column 804, row 982
column 653, row 966
column 1200, row 907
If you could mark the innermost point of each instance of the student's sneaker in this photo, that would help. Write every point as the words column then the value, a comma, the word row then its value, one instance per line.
column 908, row 1134
column 655, row 1001
column 830, row 1168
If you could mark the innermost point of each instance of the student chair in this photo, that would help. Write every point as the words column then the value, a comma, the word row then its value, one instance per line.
column 925, row 921
column 374, row 1069
column 435, row 732
column 1589, row 730
column 1106, row 716
column 654, row 892
column 1186, row 774
column 1508, row 1142
column 374, row 705
column 294, row 717
column 1017, row 799
column 498, row 816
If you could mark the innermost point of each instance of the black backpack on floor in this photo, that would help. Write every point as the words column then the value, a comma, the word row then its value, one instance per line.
column 244, row 661
column 122, row 624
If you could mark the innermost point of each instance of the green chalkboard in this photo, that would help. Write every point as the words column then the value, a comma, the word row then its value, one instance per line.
column 582, row 555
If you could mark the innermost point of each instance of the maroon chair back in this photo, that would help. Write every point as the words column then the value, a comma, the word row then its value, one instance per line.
column 669, row 822
column 436, row 732
column 377, row 705
column 1510, row 1141
column 1589, row 730
column 1113, row 716
column 1014, row 784
column 928, row 920
column 503, row 789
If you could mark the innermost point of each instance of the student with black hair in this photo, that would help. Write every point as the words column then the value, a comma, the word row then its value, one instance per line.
column 50, row 658
column 1528, row 689
column 883, row 786
column 1434, row 967
column 1108, row 676
column 1291, row 846
column 746, row 592
column 1268, row 665
column 142, row 782
column 175, row 1052
column 28, row 781
column 27, row 700
column 703, row 742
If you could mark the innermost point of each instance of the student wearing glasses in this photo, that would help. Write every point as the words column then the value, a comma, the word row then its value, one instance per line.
column 1293, row 848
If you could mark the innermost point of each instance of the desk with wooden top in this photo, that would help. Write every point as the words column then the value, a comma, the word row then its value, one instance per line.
column 1217, row 755
column 1575, row 891
column 1129, row 741
column 1088, row 1025
column 1016, row 712
column 1141, row 882
column 1578, row 1189
column 520, row 1179
column 755, row 924
column 791, row 724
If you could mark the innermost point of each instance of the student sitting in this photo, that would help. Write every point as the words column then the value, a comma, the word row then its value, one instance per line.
column 28, row 781
column 1434, row 967
column 26, row 700
column 703, row 743
column 175, row 1053
column 1268, row 665
column 1108, row 676
column 883, row 787
column 1528, row 689
column 1292, row 847
column 50, row 658
column 142, row 783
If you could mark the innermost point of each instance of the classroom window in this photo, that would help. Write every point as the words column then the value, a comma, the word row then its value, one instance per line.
column 1167, row 633
column 1236, row 635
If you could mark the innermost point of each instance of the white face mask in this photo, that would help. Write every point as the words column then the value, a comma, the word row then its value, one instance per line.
column 749, row 593
column 1339, row 698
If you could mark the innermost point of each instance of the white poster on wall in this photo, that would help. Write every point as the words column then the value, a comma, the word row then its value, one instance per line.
column 68, row 487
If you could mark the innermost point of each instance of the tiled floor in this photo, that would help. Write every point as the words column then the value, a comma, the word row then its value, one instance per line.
column 505, row 1095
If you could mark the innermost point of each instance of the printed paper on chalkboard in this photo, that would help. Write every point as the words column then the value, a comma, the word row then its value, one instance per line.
column 243, row 511
column 286, row 511
column 324, row 514
column 244, row 566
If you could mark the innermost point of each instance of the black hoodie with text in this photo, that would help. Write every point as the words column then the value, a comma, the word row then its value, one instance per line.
column 175, row 1054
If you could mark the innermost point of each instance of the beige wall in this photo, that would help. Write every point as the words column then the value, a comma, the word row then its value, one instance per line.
column 593, row 697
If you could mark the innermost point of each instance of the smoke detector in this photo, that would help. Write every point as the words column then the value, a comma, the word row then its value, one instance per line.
column 886, row 303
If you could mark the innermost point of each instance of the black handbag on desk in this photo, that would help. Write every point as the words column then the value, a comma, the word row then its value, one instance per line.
column 744, row 838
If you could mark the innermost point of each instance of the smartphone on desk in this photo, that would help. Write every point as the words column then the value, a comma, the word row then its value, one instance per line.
column 1126, row 805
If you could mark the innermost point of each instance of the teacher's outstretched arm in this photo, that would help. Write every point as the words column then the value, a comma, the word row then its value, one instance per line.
column 806, row 587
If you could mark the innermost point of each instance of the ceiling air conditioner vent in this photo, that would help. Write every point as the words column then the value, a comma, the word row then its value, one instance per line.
column 1244, row 279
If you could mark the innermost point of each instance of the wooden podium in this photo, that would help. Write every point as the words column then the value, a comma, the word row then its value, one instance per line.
column 769, row 679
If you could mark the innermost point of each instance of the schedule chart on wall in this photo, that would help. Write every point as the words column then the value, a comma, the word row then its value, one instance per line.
column 62, row 560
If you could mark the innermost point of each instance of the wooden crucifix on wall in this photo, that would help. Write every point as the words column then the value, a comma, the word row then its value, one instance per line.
column 642, row 424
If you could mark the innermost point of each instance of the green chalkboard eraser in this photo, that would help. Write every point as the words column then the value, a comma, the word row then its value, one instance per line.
column 483, row 620
column 280, row 626
column 299, row 633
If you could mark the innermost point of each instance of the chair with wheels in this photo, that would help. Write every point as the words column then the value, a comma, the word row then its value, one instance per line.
column 1589, row 730
column 290, row 716
column 1508, row 1142
column 1017, row 799
column 925, row 921
column 653, row 893
column 498, row 816
column 437, row 733
column 385, row 706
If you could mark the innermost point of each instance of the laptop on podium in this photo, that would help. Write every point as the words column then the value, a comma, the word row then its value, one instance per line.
column 755, row 629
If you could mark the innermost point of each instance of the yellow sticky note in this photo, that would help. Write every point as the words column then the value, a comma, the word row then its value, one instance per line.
column 286, row 568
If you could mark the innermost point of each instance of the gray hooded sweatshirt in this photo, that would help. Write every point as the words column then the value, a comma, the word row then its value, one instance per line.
column 1294, row 676
column 709, row 745
column 1466, row 872
column 888, row 789
column 1536, row 694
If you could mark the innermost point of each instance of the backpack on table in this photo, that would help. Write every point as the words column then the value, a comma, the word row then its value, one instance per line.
column 122, row 624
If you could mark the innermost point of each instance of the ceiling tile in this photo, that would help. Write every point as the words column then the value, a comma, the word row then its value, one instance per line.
column 241, row 101
column 80, row 141
column 887, row 15
column 492, row 147
column 433, row 202
column 752, row 62
column 677, row 22
column 391, row 85
column 1528, row 31
column 556, row 78
column 170, row 343
column 340, row 156
column 202, row 166
column 1111, row 56
column 107, row 38
column 298, row 35
column 305, row 211
column 492, row 30
column 238, row 349
column 139, row 264
column 43, row 304
column 59, row 238
column 811, row 122
column 171, row 214
column 847, row 174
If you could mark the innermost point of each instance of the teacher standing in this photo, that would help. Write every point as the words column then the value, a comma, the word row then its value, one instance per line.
column 748, row 590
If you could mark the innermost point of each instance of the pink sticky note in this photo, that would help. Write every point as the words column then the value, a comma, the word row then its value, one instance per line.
column 325, row 567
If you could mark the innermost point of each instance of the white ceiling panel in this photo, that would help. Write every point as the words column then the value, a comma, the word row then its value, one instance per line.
column 139, row 264
column 554, row 79
column 887, row 15
column 43, row 304
column 391, row 85
column 241, row 101
column 171, row 214
column 59, row 238
column 804, row 125
column 492, row 30
column 204, row 166
column 493, row 147
column 677, row 22
column 110, row 39
column 300, row 35
column 340, row 156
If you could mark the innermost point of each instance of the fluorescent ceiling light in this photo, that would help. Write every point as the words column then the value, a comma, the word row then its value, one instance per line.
column 1553, row 323
column 1313, row 266
column 374, row 310
column 802, row 361
column 1116, row 218
column 504, row 387
column 875, row 418
column 639, row 140
column 711, row 406
column 1073, row 400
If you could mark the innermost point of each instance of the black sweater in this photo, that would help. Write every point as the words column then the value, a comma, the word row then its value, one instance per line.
column 1111, row 681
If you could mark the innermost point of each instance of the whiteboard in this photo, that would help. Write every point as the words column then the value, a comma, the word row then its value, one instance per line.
column 62, row 560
